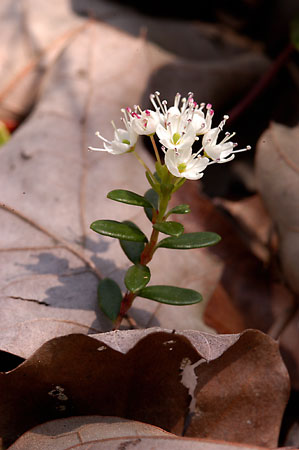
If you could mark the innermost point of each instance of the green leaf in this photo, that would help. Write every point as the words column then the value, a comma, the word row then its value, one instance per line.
column 132, row 249
column 190, row 240
column 152, row 196
column 110, row 297
column 128, row 197
column 171, row 295
column 179, row 209
column 137, row 277
column 170, row 227
column 118, row 230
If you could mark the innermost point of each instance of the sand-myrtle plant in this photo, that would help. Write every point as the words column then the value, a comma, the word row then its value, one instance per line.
column 177, row 129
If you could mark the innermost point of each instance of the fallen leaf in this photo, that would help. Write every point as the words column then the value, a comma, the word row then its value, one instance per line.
column 277, row 168
column 235, row 393
column 116, row 374
column 64, row 433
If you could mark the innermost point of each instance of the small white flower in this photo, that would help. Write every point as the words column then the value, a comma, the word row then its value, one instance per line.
column 202, row 123
column 124, row 139
column 177, row 134
column 224, row 150
column 175, row 130
column 189, row 111
column 185, row 164
column 144, row 122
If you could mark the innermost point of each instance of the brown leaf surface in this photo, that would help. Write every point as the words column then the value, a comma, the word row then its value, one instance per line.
column 277, row 173
column 36, row 46
column 247, row 375
column 117, row 373
column 245, row 288
column 162, row 443
column 64, row 433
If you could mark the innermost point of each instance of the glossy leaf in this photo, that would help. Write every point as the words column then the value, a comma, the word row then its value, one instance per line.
column 171, row 295
column 132, row 249
column 118, row 230
column 171, row 228
column 128, row 197
column 191, row 240
column 137, row 277
column 179, row 209
column 152, row 196
column 110, row 297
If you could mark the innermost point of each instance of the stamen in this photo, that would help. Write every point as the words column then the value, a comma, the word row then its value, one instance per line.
column 177, row 99
column 101, row 137
column 248, row 147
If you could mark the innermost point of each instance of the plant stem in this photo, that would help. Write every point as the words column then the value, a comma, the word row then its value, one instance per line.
column 145, row 257
column 262, row 83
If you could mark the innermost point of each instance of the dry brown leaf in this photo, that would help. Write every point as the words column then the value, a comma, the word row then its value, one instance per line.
column 247, row 285
column 36, row 45
column 250, row 294
column 235, row 393
column 64, row 433
column 117, row 373
column 277, row 173
column 163, row 443
column 53, row 188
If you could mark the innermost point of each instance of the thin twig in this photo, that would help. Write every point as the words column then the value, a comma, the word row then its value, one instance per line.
column 261, row 84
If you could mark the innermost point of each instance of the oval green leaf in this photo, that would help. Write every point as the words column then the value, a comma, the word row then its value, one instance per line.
column 190, row 240
column 132, row 249
column 110, row 298
column 171, row 295
column 179, row 209
column 171, row 228
column 118, row 230
column 152, row 196
column 137, row 277
column 128, row 197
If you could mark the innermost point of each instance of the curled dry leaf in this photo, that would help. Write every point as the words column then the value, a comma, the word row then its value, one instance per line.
column 147, row 375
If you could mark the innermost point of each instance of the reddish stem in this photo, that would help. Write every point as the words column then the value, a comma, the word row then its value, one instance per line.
column 261, row 84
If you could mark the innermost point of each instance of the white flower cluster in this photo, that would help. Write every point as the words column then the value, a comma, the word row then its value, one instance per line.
column 177, row 128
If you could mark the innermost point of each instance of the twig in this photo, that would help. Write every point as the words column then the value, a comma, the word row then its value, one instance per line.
column 261, row 84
